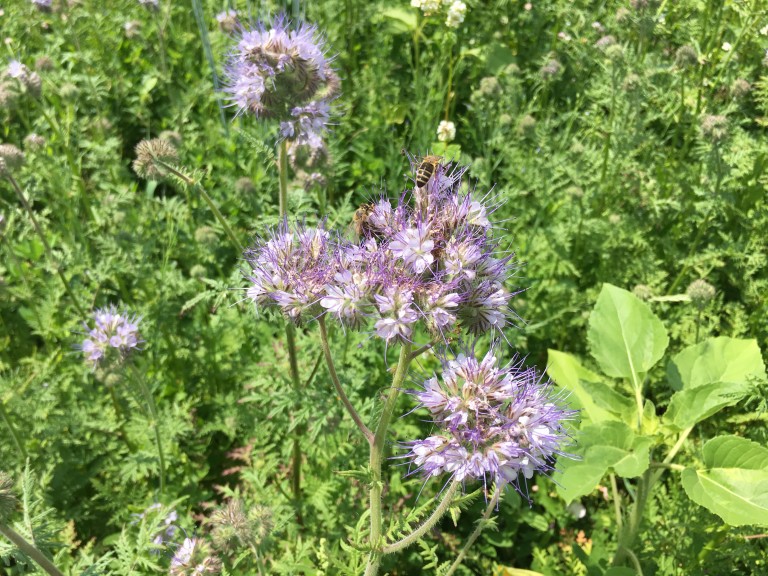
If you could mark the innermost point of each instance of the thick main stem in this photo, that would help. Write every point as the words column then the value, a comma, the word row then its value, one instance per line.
column 48, row 250
column 377, row 454
column 28, row 549
column 481, row 524
column 337, row 383
column 290, row 330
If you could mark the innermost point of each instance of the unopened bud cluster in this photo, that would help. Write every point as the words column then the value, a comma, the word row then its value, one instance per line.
column 276, row 71
column 428, row 261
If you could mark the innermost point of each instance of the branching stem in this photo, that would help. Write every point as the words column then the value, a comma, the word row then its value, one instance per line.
column 481, row 524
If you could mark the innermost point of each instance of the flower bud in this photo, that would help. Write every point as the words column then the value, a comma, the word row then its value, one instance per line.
column 686, row 57
column 700, row 292
column 13, row 157
column 714, row 127
column 148, row 152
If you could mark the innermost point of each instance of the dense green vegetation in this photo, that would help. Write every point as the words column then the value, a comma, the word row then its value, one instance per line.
column 623, row 142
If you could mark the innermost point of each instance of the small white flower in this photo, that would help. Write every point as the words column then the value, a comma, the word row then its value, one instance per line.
column 764, row 30
column 456, row 14
column 446, row 131
column 726, row 46
column 430, row 6
column 416, row 3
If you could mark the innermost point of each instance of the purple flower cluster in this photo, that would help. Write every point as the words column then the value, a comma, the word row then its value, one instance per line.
column 495, row 422
column 113, row 332
column 278, row 72
column 430, row 259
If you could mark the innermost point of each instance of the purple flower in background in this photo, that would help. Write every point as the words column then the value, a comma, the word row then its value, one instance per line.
column 112, row 332
column 43, row 5
column 495, row 422
column 279, row 71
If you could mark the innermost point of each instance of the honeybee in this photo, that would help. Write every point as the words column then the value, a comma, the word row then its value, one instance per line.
column 426, row 169
column 360, row 219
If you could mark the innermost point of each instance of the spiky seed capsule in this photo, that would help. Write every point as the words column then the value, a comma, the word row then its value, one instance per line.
column 244, row 185
column 44, row 63
column 14, row 158
column 7, row 498
column 686, row 57
column 643, row 292
column 148, row 153
column 34, row 141
column 171, row 136
column 206, row 235
column 700, row 292
column 714, row 127
column 740, row 88
column 527, row 126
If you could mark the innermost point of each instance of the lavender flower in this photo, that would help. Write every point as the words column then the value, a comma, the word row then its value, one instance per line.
column 43, row 5
column 292, row 269
column 495, row 423
column 275, row 71
column 113, row 333
column 428, row 261
column 194, row 557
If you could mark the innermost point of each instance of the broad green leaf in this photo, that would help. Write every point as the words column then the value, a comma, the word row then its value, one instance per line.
column 687, row 407
column 625, row 337
column 734, row 484
column 602, row 447
column 716, row 360
column 400, row 20
column 566, row 371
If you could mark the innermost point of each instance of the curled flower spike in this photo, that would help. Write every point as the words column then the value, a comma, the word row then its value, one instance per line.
column 113, row 334
column 279, row 71
column 495, row 422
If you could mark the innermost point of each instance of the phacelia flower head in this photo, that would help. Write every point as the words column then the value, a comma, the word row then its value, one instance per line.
column 112, row 336
column 43, row 5
column 227, row 20
column 279, row 71
column 428, row 261
column 494, row 422
column 194, row 557
column 291, row 270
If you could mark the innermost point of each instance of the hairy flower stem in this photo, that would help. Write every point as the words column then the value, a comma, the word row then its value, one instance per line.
column 197, row 187
column 12, row 430
column 290, row 329
column 428, row 524
column 28, row 549
column 48, row 250
column 337, row 384
column 155, row 425
column 481, row 524
column 377, row 455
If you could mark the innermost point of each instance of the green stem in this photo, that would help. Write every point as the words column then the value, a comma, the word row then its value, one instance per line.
column 28, row 549
column 616, row 502
column 428, row 524
column 282, row 166
column 48, row 250
column 155, row 425
column 337, row 383
column 208, row 200
column 481, row 524
column 377, row 454
column 14, row 433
